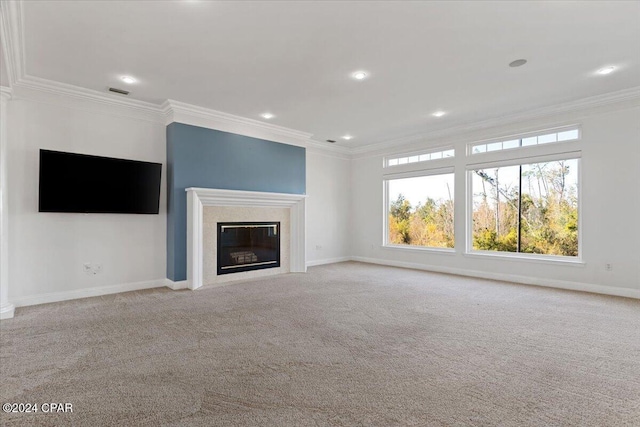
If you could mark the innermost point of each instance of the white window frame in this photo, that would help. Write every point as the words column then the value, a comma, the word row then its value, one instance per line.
column 521, row 136
column 420, row 163
column 514, row 161
column 385, row 207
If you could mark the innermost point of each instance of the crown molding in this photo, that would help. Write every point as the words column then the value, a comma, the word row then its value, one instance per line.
column 5, row 92
column 49, row 91
column 181, row 108
column 180, row 112
column 57, row 93
column 43, row 90
column 25, row 86
column 608, row 100
column 36, row 88
column 319, row 147
column 176, row 111
column 11, row 35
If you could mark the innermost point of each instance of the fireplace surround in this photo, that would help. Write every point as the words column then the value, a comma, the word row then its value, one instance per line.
column 198, row 198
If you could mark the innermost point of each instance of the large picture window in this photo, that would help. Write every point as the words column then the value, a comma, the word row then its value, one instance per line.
column 420, row 211
column 528, row 208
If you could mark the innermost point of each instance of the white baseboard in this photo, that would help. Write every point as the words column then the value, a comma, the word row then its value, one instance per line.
column 85, row 293
column 6, row 310
column 127, row 287
column 182, row 284
column 328, row 261
column 536, row 281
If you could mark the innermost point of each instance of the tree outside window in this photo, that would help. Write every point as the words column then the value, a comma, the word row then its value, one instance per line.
column 531, row 208
column 420, row 211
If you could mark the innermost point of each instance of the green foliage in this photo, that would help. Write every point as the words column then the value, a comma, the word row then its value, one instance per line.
column 400, row 209
column 548, row 218
column 400, row 215
column 430, row 224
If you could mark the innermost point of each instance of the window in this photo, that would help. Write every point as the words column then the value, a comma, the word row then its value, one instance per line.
column 527, row 208
column 420, row 211
column 420, row 157
column 545, row 137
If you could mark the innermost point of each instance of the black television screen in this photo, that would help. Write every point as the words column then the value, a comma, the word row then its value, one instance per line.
column 72, row 182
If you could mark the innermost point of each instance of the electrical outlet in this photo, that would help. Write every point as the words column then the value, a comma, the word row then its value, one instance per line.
column 318, row 247
column 608, row 267
column 91, row 269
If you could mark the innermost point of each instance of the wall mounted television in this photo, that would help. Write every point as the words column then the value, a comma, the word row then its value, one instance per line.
column 80, row 183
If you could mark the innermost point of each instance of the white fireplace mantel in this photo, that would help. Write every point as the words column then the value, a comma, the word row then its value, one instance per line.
column 197, row 198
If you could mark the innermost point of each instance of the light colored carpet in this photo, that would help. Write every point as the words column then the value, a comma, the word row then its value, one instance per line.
column 345, row 345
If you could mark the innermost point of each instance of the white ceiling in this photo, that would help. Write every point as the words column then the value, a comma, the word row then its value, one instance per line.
column 294, row 59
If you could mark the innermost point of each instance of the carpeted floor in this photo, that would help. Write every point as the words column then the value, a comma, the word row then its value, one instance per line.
column 345, row 345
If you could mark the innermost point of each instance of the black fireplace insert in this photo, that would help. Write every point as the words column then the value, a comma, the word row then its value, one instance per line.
column 246, row 246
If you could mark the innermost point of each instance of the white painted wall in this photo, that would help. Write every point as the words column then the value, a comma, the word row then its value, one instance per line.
column 344, row 209
column 610, row 206
column 327, row 207
column 48, row 250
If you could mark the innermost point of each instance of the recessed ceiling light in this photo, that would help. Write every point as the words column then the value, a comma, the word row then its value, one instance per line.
column 359, row 75
column 128, row 80
column 439, row 114
column 606, row 70
column 267, row 116
column 517, row 63
column 347, row 137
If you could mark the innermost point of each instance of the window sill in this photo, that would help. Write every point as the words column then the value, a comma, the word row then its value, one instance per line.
column 442, row 251
column 556, row 260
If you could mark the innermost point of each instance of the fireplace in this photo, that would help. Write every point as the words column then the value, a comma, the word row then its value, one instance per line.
column 247, row 246
column 206, row 207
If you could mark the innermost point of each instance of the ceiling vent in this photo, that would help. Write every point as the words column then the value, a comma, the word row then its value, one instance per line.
column 120, row 91
column 331, row 140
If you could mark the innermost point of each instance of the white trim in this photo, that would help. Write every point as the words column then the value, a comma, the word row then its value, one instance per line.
column 12, row 39
column 328, row 261
column 519, row 137
column 527, row 257
column 323, row 149
column 469, row 251
column 43, row 90
column 450, row 170
column 6, row 307
column 415, row 248
column 6, row 92
column 445, row 170
column 180, row 112
column 385, row 212
column 182, row 284
column 88, row 292
column 526, row 280
column 526, row 160
column 70, row 96
column 197, row 198
column 418, row 153
column 7, row 311
column 176, row 111
column 618, row 99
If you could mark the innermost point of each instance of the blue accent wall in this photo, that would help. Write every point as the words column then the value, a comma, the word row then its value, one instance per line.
column 200, row 157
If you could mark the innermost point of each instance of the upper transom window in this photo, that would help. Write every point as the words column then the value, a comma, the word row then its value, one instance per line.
column 538, row 138
column 420, row 157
